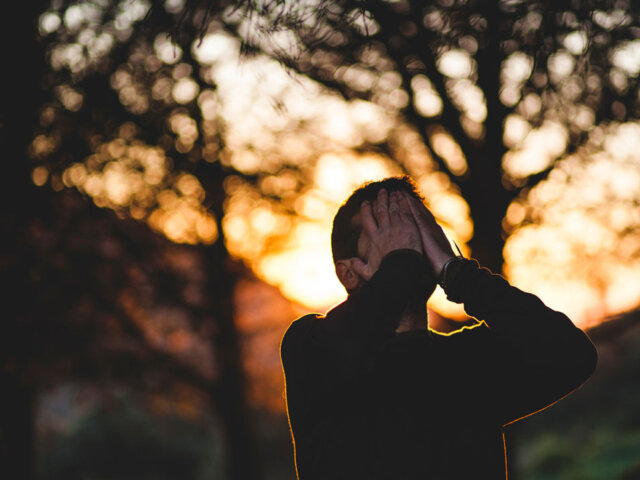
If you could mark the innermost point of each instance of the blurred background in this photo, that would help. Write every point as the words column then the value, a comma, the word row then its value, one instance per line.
column 170, row 170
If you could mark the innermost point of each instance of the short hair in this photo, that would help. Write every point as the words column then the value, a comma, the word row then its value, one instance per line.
column 344, row 233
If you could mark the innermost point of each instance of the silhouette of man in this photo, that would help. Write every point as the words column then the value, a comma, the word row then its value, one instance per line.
column 373, row 394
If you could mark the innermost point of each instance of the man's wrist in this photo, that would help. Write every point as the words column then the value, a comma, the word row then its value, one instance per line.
column 443, row 276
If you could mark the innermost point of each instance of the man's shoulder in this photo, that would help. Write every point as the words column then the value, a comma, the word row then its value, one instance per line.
column 306, row 332
column 300, row 324
column 297, row 330
column 305, row 323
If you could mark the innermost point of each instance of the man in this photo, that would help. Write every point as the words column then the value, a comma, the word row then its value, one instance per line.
column 373, row 394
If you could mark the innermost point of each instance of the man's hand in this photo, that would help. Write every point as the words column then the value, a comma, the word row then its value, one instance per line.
column 435, row 244
column 388, row 225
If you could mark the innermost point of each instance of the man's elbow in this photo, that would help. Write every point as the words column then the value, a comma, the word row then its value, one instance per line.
column 577, row 360
column 592, row 359
column 586, row 361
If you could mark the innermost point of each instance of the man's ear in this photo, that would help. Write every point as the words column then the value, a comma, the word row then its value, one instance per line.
column 347, row 275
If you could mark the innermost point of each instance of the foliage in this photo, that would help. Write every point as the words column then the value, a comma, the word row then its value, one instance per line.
column 594, row 433
column 118, row 439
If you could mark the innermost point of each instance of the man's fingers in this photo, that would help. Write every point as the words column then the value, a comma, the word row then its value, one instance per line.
column 404, row 208
column 424, row 219
column 381, row 208
column 434, row 241
column 399, row 207
column 368, row 222
column 394, row 205
column 361, row 268
column 421, row 214
column 415, row 211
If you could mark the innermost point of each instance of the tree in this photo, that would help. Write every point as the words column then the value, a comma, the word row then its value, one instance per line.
column 103, row 107
column 483, row 75
column 66, row 298
column 19, row 204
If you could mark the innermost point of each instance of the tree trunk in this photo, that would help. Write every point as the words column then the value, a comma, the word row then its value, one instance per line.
column 488, row 197
column 17, row 432
column 483, row 189
column 22, row 73
column 230, row 396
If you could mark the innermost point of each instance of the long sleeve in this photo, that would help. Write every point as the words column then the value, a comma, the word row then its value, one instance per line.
column 338, row 348
column 533, row 355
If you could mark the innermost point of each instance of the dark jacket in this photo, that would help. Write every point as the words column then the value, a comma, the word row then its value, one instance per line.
column 367, row 403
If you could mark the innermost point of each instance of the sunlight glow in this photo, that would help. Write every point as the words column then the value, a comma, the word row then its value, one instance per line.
column 627, row 57
column 185, row 90
column 127, row 175
column 516, row 69
column 538, row 149
column 39, row 175
column 426, row 101
column 337, row 177
column 576, row 42
column 456, row 63
column 294, row 253
column 610, row 19
column 516, row 129
column 216, row 47
column 49, row 23
column 469, row 98
column 165, row 50
column 581, row 255
column 560, row 65
column 446, row 147
column 304, row 270
column 301, row 264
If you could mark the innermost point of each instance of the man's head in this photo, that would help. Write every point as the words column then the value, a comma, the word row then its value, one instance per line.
column 347, row 225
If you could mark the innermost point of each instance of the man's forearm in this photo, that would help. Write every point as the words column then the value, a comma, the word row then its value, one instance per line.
column 537, row 356
column 543, row 335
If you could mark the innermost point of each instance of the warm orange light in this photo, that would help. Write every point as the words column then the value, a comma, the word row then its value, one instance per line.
column 126, row 174
column 39, row 175
column 304, row 271
column 294, row 253
column 580, row 255
column 538, row 148
column 447, row 148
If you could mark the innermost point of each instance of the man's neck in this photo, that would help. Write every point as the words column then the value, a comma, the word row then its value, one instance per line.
column 413, row 319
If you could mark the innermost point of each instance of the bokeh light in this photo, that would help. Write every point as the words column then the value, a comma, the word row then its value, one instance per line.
column 576, row 239
column 126, row 175
column 300, row 142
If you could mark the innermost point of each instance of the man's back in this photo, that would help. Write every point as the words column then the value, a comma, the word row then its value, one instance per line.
column 366, row 402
